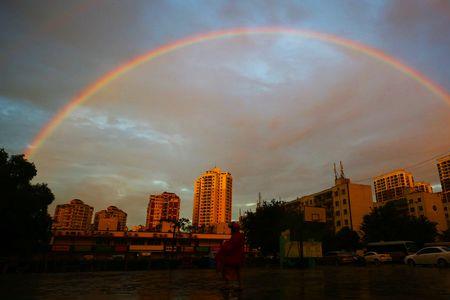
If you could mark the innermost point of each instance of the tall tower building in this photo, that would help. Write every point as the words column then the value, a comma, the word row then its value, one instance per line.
column 212, row 198
column 165, row 206
column 110, row 219
column 72, row 216
column 443, row 165
column 393, row 185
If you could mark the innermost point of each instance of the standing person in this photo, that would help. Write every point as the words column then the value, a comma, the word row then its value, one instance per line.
column 230, row 257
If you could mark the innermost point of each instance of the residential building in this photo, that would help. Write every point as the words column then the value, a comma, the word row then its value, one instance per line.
column 428, row 205
column 137, row 228
column 212, row 198
column 110, row 219
column 443, row 165
column 420, row 186
column 72, row 216
column 165, row 206
column 392, row 185
column 345, row 203
column 421, row 204
column 411, row 198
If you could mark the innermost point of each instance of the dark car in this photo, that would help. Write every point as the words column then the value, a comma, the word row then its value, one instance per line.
column 337, row 258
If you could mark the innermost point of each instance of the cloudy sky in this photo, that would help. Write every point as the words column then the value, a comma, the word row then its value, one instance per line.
column 274, row 110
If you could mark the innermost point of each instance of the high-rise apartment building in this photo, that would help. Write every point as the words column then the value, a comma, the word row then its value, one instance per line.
column 443, row 165
column 420, row 186
column 393, row 185
column 428, row 205
column 72, row 216
column 110, row 219
column 212, row 198
column 165, row 206
column 411, row 198
column 345, row 203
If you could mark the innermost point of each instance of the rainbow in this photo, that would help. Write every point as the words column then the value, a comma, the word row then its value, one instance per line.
column 109, row 77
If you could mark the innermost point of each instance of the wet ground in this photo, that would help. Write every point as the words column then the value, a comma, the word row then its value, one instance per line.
column 327, row 282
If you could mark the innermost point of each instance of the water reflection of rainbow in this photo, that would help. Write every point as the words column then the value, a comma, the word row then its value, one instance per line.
column 109, row 77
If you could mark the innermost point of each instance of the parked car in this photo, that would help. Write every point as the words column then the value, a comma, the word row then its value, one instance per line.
column 398, row 250
column 337, row 258
column 377, row 258
column 439, row 256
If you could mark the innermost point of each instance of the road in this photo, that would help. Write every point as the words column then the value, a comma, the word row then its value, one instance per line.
column 324, row 282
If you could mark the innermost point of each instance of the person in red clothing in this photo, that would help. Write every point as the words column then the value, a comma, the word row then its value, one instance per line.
column 230, row 257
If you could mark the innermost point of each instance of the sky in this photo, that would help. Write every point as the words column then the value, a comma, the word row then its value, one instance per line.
column 273, row 110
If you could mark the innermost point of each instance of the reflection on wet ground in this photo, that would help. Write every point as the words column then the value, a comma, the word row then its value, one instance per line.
column 384, row 282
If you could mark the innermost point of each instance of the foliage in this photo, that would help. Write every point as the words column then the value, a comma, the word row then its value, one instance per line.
column 182, row 224
column 347, row 239
column 263, row 227
column 446, row 236
column 386, row 223
column 24, row 219
column 344, row 239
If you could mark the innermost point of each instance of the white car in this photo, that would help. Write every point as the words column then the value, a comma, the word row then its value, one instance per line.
column 377, row 258
column 439, row 256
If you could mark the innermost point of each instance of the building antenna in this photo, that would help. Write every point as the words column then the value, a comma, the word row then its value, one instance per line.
column 342, row 170
column 258, row 204
column 335, row 172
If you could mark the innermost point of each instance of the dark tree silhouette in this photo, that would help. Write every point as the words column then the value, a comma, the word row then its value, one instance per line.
column 263, row 227
column 347, row 239
column 386, row 223
column 24, row 220
column 446, row 236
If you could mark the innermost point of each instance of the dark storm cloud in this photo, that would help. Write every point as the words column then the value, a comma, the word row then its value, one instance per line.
column 276, row 112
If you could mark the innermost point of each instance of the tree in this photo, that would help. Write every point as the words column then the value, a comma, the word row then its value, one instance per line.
column 263, row 227
column 446, row 235
column 347, row 239
column 24, row 220
column 386, row 223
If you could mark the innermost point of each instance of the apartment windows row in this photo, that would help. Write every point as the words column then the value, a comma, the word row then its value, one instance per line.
column 339, row 224
column 336, row 193
column 338, row 213
column 336, row 203
column 411, row 201
column 419, row 208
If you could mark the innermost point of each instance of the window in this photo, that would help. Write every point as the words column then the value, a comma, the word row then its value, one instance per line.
column 429, row 250
column 345, row 222
column 344, row 201
column 412, row 209
column 336, row 203
column 338, row 213
column 410, row 201
column 345, row 211
column 343, row 192
column 338, row 224
column 336, row 193
column 420, row 208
